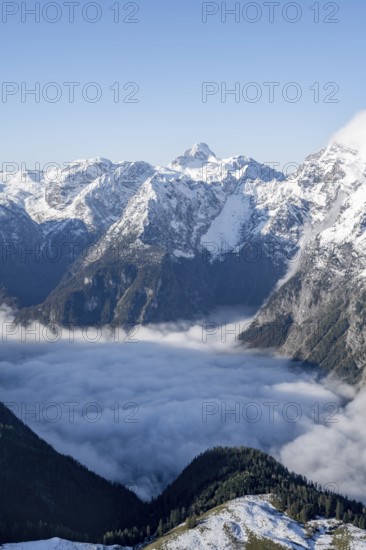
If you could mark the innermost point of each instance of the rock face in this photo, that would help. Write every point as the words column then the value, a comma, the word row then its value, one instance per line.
column 317, row 313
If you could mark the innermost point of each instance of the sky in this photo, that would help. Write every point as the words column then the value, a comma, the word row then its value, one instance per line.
column 172, row 52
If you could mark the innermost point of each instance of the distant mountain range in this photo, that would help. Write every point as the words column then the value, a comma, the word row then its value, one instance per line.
column 132, row 243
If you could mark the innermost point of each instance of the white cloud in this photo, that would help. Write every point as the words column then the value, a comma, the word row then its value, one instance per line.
column 172, row 375
column 353, row 135
column 335, row 453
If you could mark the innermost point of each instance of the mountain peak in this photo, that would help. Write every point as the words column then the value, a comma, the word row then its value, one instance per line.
column 195, row 158
column 201, row 151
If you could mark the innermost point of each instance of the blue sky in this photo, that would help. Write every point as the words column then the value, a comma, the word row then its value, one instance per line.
column 170, row 53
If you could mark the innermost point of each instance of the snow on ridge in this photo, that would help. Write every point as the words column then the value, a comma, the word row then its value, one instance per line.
column 236, row 522
column 201, row 164
column 59, row 544
column 200, row 198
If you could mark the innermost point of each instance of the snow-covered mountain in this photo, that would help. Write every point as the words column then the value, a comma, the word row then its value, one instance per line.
column 163, row 238
column 126, row 196
column 59, row 544
column 94, row 191
column 129, row 242
column 317, row 312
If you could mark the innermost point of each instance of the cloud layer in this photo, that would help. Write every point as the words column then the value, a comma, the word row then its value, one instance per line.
column 139, row 412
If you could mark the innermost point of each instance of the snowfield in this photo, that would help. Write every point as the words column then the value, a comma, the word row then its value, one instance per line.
column 58, row 544
column 254, row 518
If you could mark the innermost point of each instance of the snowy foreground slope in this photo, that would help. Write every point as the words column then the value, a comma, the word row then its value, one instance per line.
column 58, row 544
column 252, row 522
column 248, row 522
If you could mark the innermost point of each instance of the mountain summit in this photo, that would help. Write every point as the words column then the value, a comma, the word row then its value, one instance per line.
column 201, row 163
column 194, row 158
column 200, row 151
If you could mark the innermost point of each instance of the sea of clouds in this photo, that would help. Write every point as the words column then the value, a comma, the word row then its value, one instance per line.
column 138, row 408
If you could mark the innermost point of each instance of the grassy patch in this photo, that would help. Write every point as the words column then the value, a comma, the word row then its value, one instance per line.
column 342, row 539
column 257, row 543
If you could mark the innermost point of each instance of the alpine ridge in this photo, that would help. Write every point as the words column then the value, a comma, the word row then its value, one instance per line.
column 134, row 243
column 127, row 243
